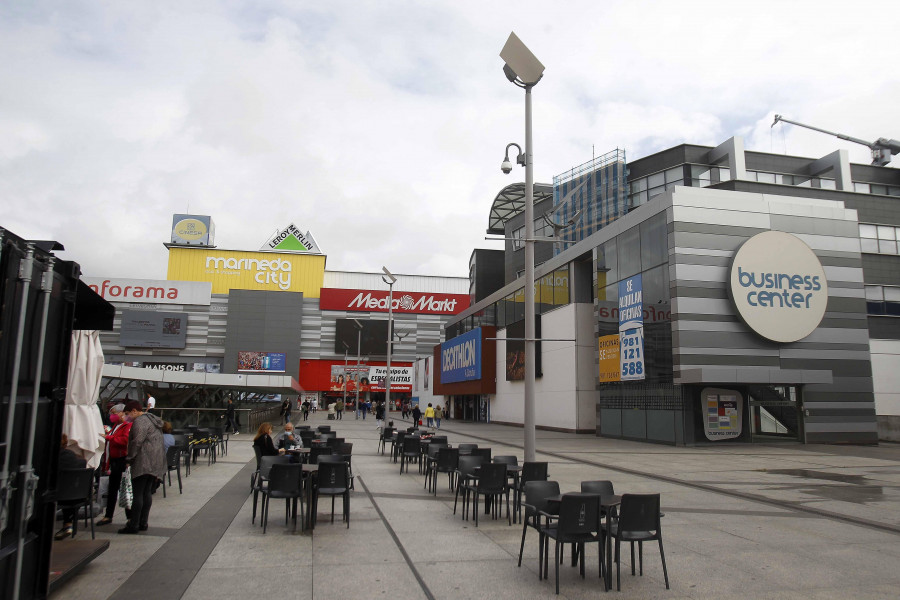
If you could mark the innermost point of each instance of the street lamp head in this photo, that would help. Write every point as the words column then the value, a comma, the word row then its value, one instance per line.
column 389, row 279
column 521, row 64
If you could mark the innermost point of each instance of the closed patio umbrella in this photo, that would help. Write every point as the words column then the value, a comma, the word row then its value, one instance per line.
column 81, row 420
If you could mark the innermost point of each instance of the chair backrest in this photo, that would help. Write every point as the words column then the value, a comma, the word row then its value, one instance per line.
column 438, row 439
column 484, row 453
column 432, row 451
column 74, row 484
column 266, row 463
column 173, row 457
column 507, row 460
column 307, row 437
column 258, row 451
column 534, row 471
column 346, row 449
column 332, row 475
column 447, row 458
column 301, row 427
column 323, row 428
column 328, row 435
column 492, row 477
column 468, row 464
column 465, row 449
column 332, row 458
column 579, row 513
column 604, row 487
column 410, row 444
column 639, row 512
column 285, row 477
column 537, row 492
column 387, row 433
column 401, row 435
column 316, row 451
column 334, row 442
column 181, row 440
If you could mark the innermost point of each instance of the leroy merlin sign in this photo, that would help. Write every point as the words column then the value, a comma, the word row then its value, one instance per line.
column 292, row 239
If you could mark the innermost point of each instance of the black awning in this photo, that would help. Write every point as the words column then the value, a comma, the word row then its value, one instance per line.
column 92, row 311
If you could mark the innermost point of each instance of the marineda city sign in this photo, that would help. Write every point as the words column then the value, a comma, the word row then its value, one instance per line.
column 404, row 302
column 778, row 286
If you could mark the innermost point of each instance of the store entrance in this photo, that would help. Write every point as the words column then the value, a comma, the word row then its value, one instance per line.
column 775, row 413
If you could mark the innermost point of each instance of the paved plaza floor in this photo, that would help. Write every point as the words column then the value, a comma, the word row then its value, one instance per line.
column 763, row 521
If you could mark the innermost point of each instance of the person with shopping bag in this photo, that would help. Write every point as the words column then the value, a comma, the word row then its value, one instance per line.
column 147, row 462
column 113, row 463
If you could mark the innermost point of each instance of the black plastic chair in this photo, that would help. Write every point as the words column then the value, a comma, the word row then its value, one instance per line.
column 173, row 463
column 531, row 471
column 410, row 452
column 465, row 472
column 397, row 444
column 578, row 523
column 484, row 453
column 333, row 481
column 285, row 481
column 316, row 451
column 204, row 441
column 466, row 449
column 639, row 521
column 439, row 439
column 536, row 494
column 346, row 450
column 183, row 443
column 334, row 442
column 74, row 489
column 491, row 484
column 261, row 482
column 323, row 428
column 386, row 435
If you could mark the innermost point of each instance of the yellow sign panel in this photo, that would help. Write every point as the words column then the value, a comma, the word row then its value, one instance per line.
column 190, row 230
column 239, row 270
column 610, row 363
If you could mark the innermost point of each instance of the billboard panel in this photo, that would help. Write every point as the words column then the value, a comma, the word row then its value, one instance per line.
column 461, row 358
column 425, row 303
column 261, row 362
column 150, row 291
column 372, row 342
column 515, row 350
column 150, row 329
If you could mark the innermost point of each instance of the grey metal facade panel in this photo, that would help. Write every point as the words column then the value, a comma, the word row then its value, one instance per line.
column 881, row 269
column 261, row 321
column 805, row 225
column 884, row 328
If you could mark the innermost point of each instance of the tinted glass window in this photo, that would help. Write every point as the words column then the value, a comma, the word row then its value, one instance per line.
column 654, row 244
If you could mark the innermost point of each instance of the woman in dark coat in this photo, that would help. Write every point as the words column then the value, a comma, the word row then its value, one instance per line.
column 263, row 441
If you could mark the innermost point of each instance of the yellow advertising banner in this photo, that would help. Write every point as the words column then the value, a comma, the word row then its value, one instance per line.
column 239, row 270
column 610, row 364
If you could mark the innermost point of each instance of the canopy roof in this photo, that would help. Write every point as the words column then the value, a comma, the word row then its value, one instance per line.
column 510, row 201
column 250, row 384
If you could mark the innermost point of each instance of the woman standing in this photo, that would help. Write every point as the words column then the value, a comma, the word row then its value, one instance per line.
column 114, row 460
column 263, row 441
column 147, row 461
column 438, row 415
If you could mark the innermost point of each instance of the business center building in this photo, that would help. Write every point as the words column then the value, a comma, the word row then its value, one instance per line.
column 274, row 316
column 716, row 295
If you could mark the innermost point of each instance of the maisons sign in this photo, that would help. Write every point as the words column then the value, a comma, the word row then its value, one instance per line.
column 778, row 286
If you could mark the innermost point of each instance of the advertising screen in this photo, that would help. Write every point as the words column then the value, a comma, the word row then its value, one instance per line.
column 373, row 341
column 150, row 329
column 261, row 362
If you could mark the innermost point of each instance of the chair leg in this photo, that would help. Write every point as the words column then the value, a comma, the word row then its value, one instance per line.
column 178, row 471
column 522, row 545
column 264, row 512
column 662, row 555
column 641, row 556
column 558, row 557
column 347, row 507
column 632, row 559
column 540, row 556
column 91, row 512
column 332, row 508
column 618, row 566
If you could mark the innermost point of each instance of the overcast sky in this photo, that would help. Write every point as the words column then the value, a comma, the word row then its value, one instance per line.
column 380, row 126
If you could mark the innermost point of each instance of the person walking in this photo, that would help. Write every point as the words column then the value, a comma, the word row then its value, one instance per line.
column 429, row 416
column 364, row 408
column 305, row 410
column 147, row 461
column 339, row 410
column 438, row 415
column 230, row 420
column 379, row 416
column 416, row 415
column 286, row 411
column 113, row 462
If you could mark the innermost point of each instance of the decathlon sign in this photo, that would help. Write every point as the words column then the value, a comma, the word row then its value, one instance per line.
column 778, row 286
column 461, row 358
column 404, row 302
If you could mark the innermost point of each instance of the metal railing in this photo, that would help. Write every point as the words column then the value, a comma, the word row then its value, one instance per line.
column 249, row 418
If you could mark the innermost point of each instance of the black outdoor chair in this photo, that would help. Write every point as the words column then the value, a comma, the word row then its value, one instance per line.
column 639, row 521
column 316, row 451
column 484, row 453
column 491, row 484
column 261, row 480
column 439, row 439
column 221, row 437
column 333, row 481
column 323, row 428
column 465, row 472
column 74, row 489
column 183, row 443
column 173, row 463
column 536, row 494
column 578, row 523
column 386, row 434
column 285, row 481
column 531, row 471
column 334, row 442
column 410, row 452
column 397, row 444
column 203, row 441
column 466, row 449
column 346, row 450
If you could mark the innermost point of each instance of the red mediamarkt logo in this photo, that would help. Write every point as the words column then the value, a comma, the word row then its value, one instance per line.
column 377, row 301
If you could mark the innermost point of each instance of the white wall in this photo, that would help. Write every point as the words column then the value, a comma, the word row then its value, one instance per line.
column 886, row 376
column 565, row 396
column 425, row 395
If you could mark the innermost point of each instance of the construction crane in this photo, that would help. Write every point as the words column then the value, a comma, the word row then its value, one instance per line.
column 882, row 148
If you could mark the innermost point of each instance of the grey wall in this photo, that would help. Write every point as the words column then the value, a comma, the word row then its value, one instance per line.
column 260, row 321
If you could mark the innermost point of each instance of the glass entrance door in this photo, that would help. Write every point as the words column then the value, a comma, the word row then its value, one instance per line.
column 775, row 412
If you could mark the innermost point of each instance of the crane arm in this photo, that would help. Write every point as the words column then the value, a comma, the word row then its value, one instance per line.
column 882, row 148
column 841, row 136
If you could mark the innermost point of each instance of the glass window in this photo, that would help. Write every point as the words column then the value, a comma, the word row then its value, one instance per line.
column 640, row 198
column 654, row 241
column 656, row 180
column 561, row 287
column 874, row 293
column 656, row 191
column 672, row 184
column 886, row 232
column 868, row 245
column 878, row 189
column 751, row 175
column 501, row 313
column 885, row 247
column 639, row 185
column 629, row 249
column 765, row 177
column 893, row 191
column 518, row 235
column 700, row 172
column 724, row 174
column 676, row 174
column 608, row 309
column 801, row 181
column 891, row 293
column 607, row 266
column 861, row 187
column 868, row 231
column 828, row 184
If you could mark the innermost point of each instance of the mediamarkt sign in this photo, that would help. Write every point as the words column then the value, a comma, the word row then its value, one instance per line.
column 778, row 286
column 150, row 291
column 404, row 302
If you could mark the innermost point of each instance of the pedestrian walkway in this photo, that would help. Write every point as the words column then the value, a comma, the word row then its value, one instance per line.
column 755, row 521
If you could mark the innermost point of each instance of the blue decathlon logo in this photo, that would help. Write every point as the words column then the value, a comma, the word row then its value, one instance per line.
column 461, row 358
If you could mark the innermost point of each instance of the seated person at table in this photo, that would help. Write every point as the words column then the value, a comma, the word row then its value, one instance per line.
column 68, row 460
column 288, row 439
column 263, row 441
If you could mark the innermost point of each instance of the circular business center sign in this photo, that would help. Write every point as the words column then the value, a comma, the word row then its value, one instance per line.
column 778, row 286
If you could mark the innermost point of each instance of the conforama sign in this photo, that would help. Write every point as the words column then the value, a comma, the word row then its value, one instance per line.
column 404, row 302
column 150, row 291
column 778, row 286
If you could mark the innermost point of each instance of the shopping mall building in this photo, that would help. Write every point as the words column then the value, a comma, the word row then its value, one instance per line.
column 696, row 295
column 267, row 322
